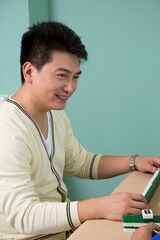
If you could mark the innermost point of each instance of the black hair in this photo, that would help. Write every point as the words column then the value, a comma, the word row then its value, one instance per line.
column 42, row 39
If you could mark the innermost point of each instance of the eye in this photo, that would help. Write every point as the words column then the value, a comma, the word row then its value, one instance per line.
column 76, row 77
column 62, row 75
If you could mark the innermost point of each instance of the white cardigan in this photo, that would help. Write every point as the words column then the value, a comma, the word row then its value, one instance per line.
column 33, row 196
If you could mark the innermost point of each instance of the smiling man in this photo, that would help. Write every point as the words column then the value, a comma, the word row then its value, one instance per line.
column 38, row 145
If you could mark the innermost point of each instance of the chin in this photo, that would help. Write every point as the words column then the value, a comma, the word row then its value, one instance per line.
column 58, row 107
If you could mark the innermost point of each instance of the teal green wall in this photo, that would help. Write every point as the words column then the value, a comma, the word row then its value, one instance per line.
column 15, row 17
column 13, row 22
column 38, row 10
column 116, row 107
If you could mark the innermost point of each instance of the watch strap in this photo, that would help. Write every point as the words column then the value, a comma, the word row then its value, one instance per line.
column 132, row 162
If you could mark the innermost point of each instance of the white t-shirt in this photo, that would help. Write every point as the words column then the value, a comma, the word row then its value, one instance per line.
column 48, row 141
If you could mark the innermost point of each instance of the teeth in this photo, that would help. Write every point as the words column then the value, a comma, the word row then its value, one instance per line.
column 63, row 97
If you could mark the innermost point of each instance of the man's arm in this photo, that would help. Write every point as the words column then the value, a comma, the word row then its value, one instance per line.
column 111, row 207
column 111, row 166
column 115, row 205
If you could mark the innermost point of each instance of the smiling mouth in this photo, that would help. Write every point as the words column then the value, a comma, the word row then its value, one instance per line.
column 62, row 97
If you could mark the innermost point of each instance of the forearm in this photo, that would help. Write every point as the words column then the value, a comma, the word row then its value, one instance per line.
column 89, row 209
column 33, row 217
column 111, row 166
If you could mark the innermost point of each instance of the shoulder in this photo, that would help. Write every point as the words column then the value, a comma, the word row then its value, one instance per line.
column 6, row 110
column 12, row 117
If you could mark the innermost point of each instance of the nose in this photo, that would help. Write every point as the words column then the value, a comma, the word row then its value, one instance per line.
column 70, row 86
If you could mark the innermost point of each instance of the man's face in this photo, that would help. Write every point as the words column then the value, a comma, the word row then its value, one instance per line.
column 56, row 81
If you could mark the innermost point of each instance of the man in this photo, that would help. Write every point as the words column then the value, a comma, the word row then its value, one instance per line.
column 38, row 145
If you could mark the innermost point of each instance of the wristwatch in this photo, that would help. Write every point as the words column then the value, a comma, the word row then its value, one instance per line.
column 132, row 162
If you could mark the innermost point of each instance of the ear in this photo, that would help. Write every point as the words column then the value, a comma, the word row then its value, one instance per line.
column 27, row 70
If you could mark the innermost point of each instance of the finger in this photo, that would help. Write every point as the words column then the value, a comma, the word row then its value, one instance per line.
column 134, row 211
column 152, row 168
column 153, row 228
column 139, row 205
column 157, row 227
column 139, row 198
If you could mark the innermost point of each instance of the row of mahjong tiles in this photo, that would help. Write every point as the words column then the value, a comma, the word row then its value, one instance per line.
column 131, row 222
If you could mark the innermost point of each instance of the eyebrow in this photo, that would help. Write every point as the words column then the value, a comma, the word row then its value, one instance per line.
column 68, row 71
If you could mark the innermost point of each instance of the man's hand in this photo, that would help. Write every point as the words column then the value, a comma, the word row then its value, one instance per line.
column 111, row 207
column 118, row 204
column 147, row 164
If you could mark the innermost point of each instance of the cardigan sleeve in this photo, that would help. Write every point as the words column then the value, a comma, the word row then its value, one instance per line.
column 79, row 162
column 20, row 203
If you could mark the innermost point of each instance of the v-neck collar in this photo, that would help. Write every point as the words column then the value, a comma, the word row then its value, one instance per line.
column 28, row 115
